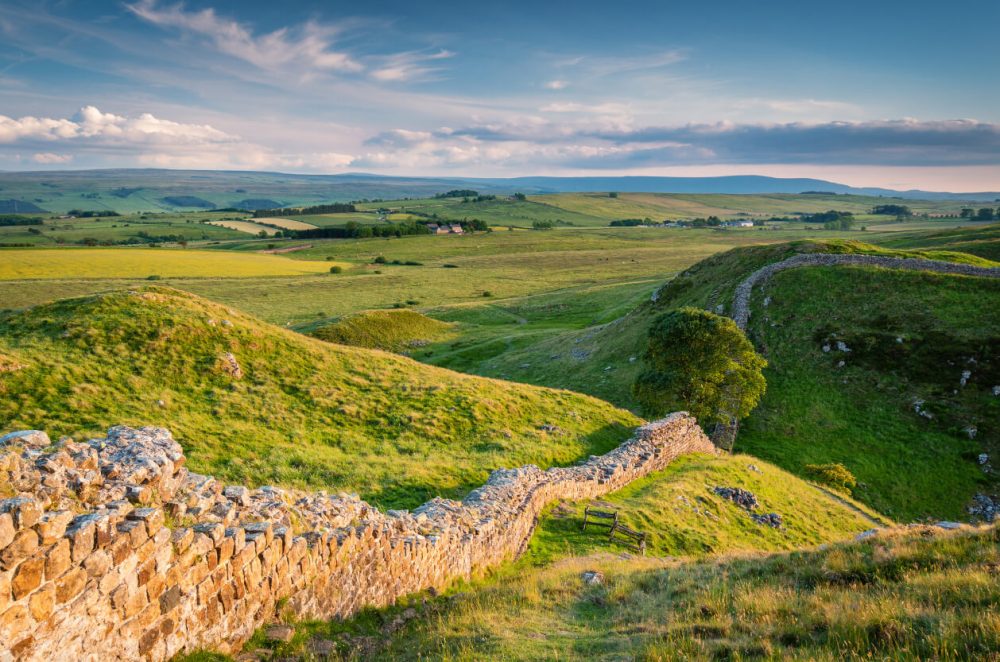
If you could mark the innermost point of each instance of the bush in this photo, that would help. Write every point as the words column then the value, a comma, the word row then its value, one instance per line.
column 701, row 363
column 450, row 266
column 153, row 277
column 380, row 260
column 835, row 475
column 487, row 293
column 336, row 270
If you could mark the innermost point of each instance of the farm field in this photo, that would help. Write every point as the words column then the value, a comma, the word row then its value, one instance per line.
column 248, row 227
column 108, row 263
column 136, row 228
column 285, row 223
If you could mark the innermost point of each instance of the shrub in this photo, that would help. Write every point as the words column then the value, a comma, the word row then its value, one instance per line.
column 336, row 269
column 835, row 475
column 329, row 258
column 450, row 266
column 153, row 277
column 702, row 363
column 487, row 293
column 380, row 260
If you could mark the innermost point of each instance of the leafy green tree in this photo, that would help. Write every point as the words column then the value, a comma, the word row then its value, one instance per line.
column 702, row 363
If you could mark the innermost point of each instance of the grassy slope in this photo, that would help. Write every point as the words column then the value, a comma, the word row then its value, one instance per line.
column 863, row 414
column 391, row 330
column 982, row 240
column 305, row 412
column 905, row 594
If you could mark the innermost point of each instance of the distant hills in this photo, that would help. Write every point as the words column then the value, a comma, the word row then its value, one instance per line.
column 133, row 190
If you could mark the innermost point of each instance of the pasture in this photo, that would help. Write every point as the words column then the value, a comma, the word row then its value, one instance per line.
column 248, row 227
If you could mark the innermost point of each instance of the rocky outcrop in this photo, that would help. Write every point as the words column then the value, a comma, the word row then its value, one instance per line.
column 112, row 549
column 741, row 299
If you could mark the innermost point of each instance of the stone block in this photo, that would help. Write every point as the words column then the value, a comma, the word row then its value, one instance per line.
column 52, row 525
column 82, row 534
column 152, row 517
column 42, row 602
column 23, row 545
column 27, row 577
column 24, row 510
column 57, row 559
column 7, row 529
column 97, row 564
column 70, row 585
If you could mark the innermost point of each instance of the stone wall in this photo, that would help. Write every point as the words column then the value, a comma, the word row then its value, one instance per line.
column 111, row 549
column 741, row 299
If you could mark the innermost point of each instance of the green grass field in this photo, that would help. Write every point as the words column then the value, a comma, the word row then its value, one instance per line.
column 391, row 330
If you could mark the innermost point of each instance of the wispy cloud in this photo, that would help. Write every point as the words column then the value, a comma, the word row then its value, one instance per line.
column 309, row 45
column 409, row 66
column 556, row 84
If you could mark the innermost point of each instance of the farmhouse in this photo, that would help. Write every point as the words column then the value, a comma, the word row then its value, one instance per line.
column 444, row 228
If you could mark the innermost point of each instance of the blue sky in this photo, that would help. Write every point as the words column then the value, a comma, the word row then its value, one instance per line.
column 889, row 93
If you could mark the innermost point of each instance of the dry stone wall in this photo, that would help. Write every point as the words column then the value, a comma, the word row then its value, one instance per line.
column 112, row 549
column 741, row 299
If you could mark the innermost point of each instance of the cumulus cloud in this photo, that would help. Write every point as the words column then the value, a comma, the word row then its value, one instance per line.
column 307, row 46
column 91, row 125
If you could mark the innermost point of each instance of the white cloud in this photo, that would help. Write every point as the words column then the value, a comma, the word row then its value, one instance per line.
column 556, row 85
column 91, row 125
column 308, row 46
column 409, row 66
column 49, row 158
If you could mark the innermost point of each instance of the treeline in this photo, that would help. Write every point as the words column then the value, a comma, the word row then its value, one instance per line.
column 355, row 230
column 7, row 220
column 631, row 222
column 479, row 198
column 332, row 208
column 89, row 213
column 892, row 210
column 458, row 193
column 982, row 214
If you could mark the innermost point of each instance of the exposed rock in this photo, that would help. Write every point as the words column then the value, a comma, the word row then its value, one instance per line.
column 279, row 632
column 950, row 525
column 864, row 535
column 984, row 458
column 593, row 578
column 229, row 365
column 28, row 438
column 773, row 520
column 743, row 498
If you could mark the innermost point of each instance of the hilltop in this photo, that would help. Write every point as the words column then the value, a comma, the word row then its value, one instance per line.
column 257, row 404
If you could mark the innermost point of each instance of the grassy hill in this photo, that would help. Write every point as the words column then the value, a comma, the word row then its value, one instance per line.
column 391, row 330
column 257, row 404
column 911, row 593
column 983, row 240
column 813, row 412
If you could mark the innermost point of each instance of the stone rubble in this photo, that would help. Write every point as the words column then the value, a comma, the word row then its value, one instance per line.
column 113, row 550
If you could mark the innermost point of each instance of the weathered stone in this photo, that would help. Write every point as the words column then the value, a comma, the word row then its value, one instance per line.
column 42, row 602
column 7, row 530
column 27, row 577
column 71, row 584
column 24, row 511
column 27, row 438
column 283, row 633
column 52, row 525
column 21, row 547
column 57, row 559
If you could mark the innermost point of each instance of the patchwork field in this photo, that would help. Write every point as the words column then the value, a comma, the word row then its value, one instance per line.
column 284, row 223
column 246, row 226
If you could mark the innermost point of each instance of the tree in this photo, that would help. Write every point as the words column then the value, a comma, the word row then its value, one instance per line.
column 702, row 363
column 613, row 194
column 984, row 214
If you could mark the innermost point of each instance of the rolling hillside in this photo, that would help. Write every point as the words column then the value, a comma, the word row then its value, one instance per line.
column 256, row 404
column 813, row 411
